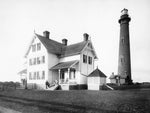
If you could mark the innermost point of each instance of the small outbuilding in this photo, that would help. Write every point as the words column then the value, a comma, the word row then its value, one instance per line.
column 96, row 79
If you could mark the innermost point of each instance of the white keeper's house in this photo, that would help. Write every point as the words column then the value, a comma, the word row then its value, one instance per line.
column 51, row 61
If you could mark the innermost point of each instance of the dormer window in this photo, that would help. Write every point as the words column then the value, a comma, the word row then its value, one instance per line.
column 33, row 48
column 38, row 46
column 84, row 58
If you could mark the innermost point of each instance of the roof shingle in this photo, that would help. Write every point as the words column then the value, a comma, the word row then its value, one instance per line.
column 97, row 73
column 63, row 65
column 51, row 45
column 60, row 49
column 73, row 49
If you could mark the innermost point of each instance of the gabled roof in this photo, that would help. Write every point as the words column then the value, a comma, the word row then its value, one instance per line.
column 23, row 71
column 73, row 49
column 115, row 76
column 60, row 49
column 97, row 73
column 51, row 45
column 112, row 76
column 63, row 65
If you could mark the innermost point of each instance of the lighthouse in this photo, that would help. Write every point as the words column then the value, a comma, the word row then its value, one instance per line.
column 124, row 61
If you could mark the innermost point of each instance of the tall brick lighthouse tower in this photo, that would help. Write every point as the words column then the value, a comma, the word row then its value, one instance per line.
column 124, row 62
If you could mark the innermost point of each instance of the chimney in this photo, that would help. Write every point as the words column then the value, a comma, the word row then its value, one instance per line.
column 64, row 41
column 85, row 37
column 46, row 34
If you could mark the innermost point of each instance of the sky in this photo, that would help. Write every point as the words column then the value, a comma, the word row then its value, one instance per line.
column 70, row 19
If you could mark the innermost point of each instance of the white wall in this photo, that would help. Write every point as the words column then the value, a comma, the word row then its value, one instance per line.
column 122, row 81
column 52, row 61
column 93, row 87
column 70, row 58
column 38, row 67
column 55, row 76
column 102, row 80
column 94, row 80
column 86, row 68
column 93, row 83
column 113, row 81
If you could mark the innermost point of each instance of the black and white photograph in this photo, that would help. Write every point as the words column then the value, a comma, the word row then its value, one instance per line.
column 75, row 56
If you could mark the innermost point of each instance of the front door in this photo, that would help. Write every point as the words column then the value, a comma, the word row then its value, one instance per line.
column 62, row 77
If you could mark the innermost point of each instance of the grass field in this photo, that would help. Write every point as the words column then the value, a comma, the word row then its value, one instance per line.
column 33, row 101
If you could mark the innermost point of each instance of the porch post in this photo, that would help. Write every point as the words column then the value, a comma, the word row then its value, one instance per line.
column 59, row 76
column 68, row 73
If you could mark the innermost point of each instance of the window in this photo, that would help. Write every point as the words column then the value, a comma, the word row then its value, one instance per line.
column 62, row 75
column 84, row 59
column 90, row 60
column 43, row 74
column 72, row 75
column 34, row 61
column 43, row 59
column 33, row 48
column 30, row 61
column 30, row 76
column 38, row 46
column 122, row 41
column 38, row 76
column 122, row 60
column 34, row 77
column 38, row 60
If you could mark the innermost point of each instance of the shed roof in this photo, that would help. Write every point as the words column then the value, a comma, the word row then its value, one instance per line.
column 23, row 71
column 97, row 73
column 63, row 65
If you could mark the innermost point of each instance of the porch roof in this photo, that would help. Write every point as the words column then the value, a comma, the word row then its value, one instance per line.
column 24, row 71
column 63, row 65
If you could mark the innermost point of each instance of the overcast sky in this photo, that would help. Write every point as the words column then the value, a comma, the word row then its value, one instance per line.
column 70, row 19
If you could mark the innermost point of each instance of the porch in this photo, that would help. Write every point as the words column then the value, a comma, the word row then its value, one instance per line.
column 67, row 73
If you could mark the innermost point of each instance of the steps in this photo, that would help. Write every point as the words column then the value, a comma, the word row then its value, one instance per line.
column 106, row 87
column 52, row 86
column 109, row 87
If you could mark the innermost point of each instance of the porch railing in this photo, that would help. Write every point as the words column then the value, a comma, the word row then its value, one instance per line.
column 67, row 81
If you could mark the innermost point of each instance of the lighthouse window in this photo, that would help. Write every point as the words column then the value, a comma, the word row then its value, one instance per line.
column 122, row 60
column 122, row 41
